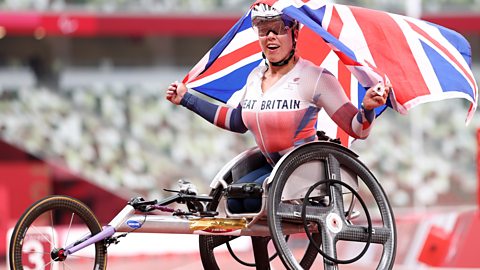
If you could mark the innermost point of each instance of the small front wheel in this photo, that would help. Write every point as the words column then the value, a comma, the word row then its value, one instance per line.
column 50, row 225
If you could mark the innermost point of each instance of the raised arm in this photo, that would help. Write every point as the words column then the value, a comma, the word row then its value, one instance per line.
column 222, row 116
column 330, row 95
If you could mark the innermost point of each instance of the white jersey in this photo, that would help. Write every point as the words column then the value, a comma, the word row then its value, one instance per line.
column 285, row 115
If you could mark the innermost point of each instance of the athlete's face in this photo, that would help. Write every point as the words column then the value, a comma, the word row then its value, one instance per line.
column 275, row 40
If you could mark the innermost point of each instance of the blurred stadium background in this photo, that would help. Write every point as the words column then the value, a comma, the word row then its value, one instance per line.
column 82, row 112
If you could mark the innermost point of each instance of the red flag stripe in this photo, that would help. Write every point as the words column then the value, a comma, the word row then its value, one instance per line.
column 231, row 58
column 311, row 46
column 336, row 24
column 415, row 82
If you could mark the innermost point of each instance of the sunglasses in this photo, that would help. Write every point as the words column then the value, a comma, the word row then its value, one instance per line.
column 276, row 25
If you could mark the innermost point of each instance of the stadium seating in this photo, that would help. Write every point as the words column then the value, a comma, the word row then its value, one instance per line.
column 121, row 136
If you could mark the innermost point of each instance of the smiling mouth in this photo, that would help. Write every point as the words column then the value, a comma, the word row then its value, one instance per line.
column 273, row 47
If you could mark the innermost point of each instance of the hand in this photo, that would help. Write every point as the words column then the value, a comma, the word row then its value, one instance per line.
column 175, row 92
column 376, row 97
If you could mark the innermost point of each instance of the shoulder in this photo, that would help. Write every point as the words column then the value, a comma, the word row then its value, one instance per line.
column 309, row 69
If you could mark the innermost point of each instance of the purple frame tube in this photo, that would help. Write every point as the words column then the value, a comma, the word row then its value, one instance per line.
column 105, row 233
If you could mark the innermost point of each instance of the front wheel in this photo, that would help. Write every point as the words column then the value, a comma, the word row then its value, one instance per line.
column 50, row 225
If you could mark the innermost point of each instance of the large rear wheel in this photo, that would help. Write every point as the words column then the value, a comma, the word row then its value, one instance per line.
column 318, row 185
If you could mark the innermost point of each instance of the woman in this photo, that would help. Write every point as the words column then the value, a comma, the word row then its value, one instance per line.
column 281, row 99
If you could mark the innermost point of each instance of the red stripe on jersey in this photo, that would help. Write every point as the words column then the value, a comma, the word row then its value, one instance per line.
column 221, row 117
column 366, row 125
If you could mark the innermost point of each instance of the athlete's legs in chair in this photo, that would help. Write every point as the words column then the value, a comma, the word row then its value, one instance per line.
column 250, row 205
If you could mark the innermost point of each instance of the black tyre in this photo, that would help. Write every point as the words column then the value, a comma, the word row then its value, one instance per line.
column 48, row 226
column 321, row 207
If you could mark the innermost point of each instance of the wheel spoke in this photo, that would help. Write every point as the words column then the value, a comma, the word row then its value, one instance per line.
column 43, row 235
column 82, row 257
column 328, row 247
column 64, row 264
column 336, row 197
column 289, row 211
column 50, row 262
column 380, row 235
column 34, row 252
column 317, row 214
column 68, row 230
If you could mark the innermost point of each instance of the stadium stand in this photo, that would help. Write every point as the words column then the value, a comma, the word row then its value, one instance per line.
column 131, row 137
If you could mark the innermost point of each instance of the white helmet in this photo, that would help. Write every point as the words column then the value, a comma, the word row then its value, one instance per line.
column 265, row 11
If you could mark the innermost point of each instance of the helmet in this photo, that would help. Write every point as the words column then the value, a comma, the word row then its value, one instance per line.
column 266, row 12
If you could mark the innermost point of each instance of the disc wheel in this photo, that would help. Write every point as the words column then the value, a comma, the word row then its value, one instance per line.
column 208, row 244
column 329, row 214
column 47, row 227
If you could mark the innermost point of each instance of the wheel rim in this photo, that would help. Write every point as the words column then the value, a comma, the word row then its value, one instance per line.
column 40, row 239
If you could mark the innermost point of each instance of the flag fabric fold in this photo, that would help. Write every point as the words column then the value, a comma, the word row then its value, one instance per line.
column 424, row 62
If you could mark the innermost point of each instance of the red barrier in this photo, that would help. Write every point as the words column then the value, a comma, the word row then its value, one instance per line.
column 436, row 246
column 22, row 184
column 4, row 225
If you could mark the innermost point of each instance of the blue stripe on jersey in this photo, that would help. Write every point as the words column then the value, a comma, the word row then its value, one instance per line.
column 307, row 117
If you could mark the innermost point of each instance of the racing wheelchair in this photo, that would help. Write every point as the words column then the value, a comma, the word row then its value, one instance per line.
column 319, row 194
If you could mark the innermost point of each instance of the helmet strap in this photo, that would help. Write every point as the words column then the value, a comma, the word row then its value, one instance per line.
column 284, row 61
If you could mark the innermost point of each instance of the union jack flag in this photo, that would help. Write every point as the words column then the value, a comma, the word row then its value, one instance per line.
column 424, row 62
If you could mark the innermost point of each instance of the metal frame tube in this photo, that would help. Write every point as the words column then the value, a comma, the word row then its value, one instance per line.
column 104, row 234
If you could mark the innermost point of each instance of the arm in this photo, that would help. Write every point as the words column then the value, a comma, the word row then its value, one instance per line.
column 222, row 116
column 330, row 95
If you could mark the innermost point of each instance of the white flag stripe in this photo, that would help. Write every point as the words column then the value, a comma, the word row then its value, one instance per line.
column 435, row 33
column 243, row 38
column 352, row 36
column 226, row 71
column 421, row 59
